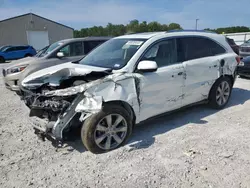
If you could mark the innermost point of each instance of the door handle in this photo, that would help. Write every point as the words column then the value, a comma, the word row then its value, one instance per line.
column 180, row 73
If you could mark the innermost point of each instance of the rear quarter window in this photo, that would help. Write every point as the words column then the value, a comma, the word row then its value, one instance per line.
column 199, row 47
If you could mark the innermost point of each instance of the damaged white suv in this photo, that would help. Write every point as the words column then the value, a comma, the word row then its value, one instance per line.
column 127, row 80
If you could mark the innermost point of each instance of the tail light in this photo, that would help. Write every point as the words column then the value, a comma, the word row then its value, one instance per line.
column 238, row 59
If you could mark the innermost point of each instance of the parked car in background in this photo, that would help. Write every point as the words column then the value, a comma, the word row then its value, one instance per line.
column 16, row 52
column 245, row 49
column 40, row 52
column 243, row 68
column 63, row 51
column 3, row 47
column 127, row 80
column 233, row 45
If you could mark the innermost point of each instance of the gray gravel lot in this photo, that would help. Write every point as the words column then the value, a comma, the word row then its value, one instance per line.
column 197, row 147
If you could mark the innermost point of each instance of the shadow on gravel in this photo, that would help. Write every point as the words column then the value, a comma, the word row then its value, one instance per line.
column 143, row 134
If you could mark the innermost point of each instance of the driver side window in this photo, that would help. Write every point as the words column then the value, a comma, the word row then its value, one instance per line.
column 65, row 50
column 73, row 49
column 163, row 53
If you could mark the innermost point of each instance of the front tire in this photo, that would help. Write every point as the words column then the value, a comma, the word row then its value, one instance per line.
column 220, row 93
column 106, row 130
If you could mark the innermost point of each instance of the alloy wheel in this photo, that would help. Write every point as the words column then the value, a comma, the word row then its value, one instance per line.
column 222, row 93
column 111, row 131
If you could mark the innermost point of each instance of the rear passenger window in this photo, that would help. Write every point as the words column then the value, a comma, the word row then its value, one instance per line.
column 198, row 47
column 18, row 48
column 90, row 45
column 163, row 53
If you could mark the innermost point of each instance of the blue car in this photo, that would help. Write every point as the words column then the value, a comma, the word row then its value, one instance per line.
column 3, row 47
column 16, row 52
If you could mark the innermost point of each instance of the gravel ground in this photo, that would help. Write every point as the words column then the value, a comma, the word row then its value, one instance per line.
column 196, row 147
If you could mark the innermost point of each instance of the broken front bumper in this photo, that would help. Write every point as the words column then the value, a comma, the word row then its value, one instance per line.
column 55, row 129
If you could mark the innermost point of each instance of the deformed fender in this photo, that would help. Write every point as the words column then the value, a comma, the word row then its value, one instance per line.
column 116, row 87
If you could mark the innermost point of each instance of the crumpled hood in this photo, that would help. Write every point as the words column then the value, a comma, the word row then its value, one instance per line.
column 59, row 72
column 23, row 61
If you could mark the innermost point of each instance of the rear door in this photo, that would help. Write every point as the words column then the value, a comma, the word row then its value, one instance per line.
column 21, row 51
column 202, row 57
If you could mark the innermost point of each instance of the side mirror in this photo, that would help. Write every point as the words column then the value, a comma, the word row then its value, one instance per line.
column 60, row 54
column 147, row 66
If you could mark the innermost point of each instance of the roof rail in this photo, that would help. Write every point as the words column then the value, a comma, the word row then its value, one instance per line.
column 183, row 30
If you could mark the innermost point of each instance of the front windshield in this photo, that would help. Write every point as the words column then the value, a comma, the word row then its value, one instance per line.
column 114, row 53
column 52, row 47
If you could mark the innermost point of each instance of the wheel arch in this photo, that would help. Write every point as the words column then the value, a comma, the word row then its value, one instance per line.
column 231, row 77
column 126, row 106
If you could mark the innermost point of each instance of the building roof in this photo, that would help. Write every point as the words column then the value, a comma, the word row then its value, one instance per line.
column 37, row 16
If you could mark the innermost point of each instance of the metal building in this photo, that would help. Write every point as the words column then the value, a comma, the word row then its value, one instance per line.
column 33, row 30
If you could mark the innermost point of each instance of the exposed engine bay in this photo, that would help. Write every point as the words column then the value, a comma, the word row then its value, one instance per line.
column 51, row 108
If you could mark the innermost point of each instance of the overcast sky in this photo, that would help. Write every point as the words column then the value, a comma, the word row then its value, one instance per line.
column 86, row 13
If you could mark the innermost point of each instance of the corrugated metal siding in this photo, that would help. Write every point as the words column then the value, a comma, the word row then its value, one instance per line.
column 13, row 31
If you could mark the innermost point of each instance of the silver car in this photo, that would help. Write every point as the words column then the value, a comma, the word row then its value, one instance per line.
column 63, row 51
column 245, row 49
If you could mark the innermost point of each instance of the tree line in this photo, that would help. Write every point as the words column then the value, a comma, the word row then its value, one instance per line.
column 135, row 26
column 236, row 29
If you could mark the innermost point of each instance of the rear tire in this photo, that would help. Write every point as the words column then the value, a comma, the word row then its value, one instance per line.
column 101, row 132
column 2, row 60
column 220, row 93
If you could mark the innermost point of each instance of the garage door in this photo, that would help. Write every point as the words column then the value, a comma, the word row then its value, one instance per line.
column 38, row 39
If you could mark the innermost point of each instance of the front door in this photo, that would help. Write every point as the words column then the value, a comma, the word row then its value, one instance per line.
column 72, row 52
column 10, row 53
column 162, row 91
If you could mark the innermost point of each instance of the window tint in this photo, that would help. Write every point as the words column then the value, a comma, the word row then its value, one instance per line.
column 163, row 53
column 11, row 49
column 21, row 48
column 73, row 49
column 197, row 47
column 90, row 45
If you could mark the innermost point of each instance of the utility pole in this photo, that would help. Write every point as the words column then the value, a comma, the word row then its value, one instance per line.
column 196, row 24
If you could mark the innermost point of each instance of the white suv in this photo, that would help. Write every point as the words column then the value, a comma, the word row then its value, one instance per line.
column 127, row 80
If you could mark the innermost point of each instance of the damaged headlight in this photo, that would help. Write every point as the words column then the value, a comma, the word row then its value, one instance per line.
column 16, row 69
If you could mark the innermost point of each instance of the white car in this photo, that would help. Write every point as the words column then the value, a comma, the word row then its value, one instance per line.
column 127, row 80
